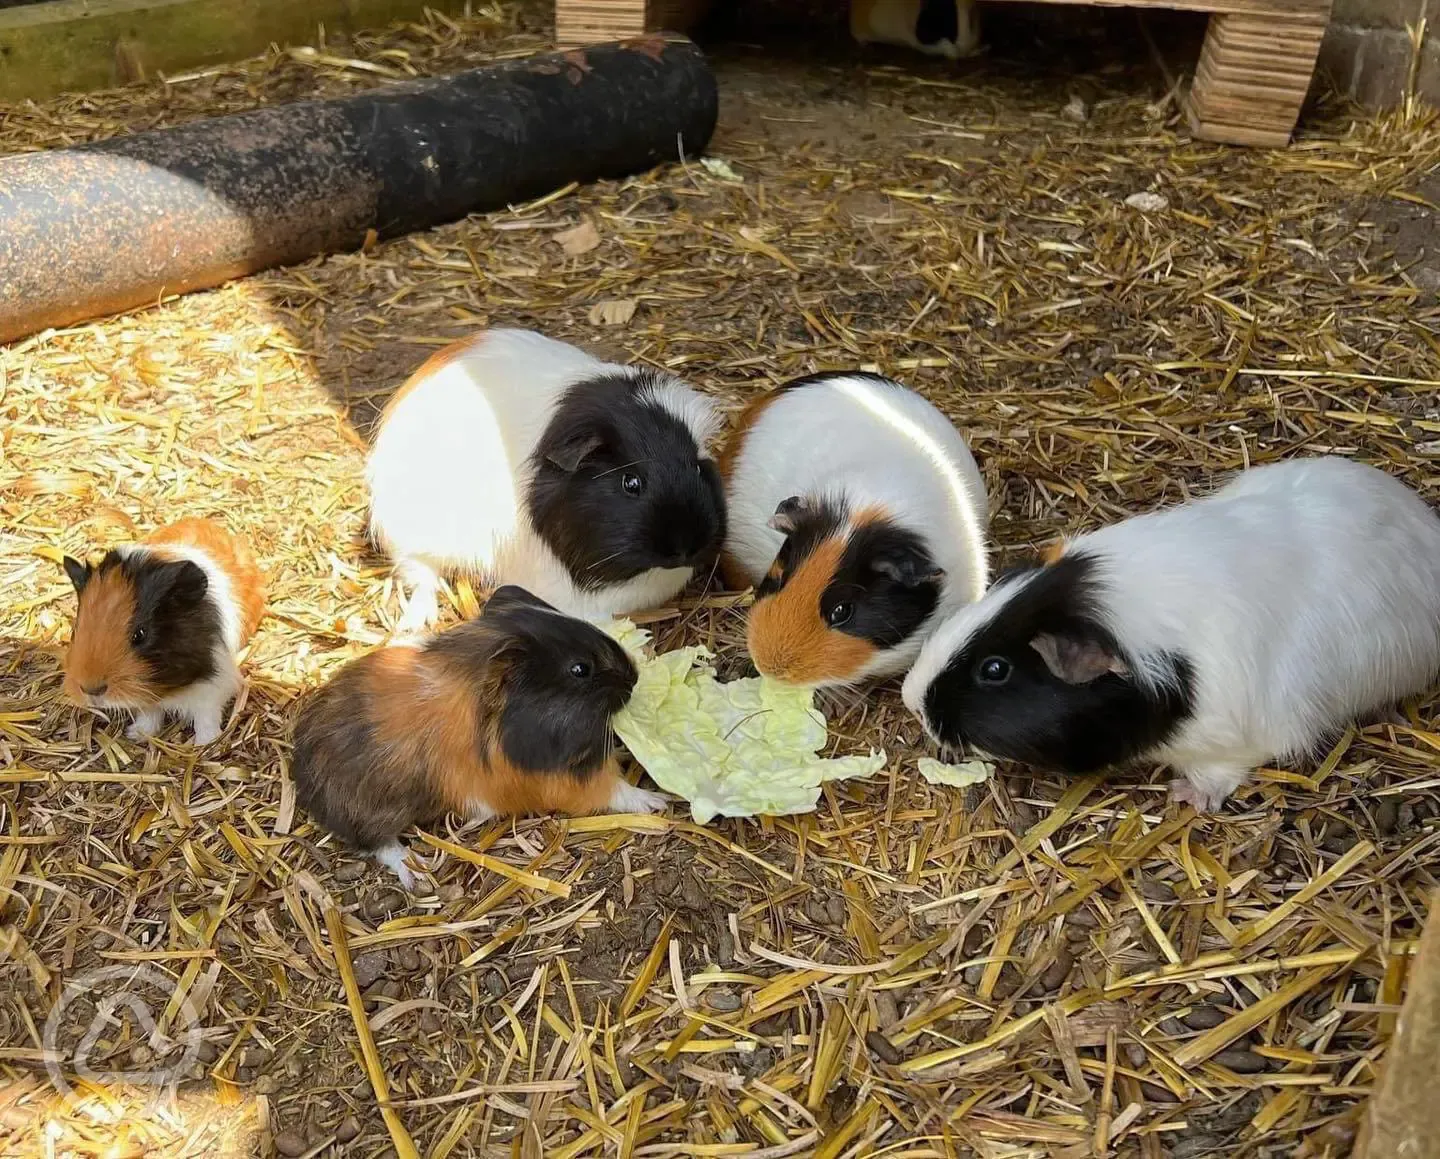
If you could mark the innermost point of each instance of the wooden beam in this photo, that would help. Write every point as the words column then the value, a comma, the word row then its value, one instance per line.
column 78, row 45
column 1403, row 1118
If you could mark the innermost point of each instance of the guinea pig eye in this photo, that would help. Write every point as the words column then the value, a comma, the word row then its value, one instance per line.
column 137, row 637
column 994, row 670
column 634, row 484
column 840, row 614
column 580, row 670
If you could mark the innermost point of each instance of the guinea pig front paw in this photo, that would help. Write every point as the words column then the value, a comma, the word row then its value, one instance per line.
column 207, row 731
column 1206, row 791
column 145, row 725
column 628, row 798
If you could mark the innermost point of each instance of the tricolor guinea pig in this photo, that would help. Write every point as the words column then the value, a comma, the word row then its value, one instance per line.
column 949, row 28
column 857, row 511
column 159, row 625
column 505, row 714
column 517, row 459
column 1212, row 636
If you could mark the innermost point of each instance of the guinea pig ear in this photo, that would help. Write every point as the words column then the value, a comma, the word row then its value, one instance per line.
column 570, row 452
column 178, row 581
column 907, row 567
column 512, row 596
column 786, row 514
column 1077, row 660
column 78, row 572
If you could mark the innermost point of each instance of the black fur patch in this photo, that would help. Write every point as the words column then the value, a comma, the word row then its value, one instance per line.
column 552, row 720
column 580, row 506
column 938, row 21
column 817, row 521
column 886, row 573
column 1035, row 717
column 175, row 628
column 890, row 578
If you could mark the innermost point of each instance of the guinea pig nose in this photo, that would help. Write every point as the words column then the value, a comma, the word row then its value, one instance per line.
column 96, row 689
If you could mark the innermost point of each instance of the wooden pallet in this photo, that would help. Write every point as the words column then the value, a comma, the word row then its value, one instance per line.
column 1254, row 71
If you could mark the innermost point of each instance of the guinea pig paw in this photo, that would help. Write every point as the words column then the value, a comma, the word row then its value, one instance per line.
column 206, row 732
column 1184, row 792
column 394, row 858
column 628, row 798
column 145, row 725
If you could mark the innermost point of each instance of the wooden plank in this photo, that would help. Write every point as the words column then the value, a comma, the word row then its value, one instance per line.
column 580, row 22
column 78, row 45
column 1241, row 7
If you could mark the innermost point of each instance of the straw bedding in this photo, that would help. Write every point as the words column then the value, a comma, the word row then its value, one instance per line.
column 1032, row 967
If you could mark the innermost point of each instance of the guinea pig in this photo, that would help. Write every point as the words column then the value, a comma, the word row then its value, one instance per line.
column 948, row 28
column 505, row 714
column 521, row 460
column 857, row 511
column 159, row 624
column 1212, row 636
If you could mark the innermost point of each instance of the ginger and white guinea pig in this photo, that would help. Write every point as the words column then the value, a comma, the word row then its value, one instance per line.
column 857, row 511
column 159, row 625
column 517, row 459
column 948, row 28
column 1212, row 636
column 505, row 714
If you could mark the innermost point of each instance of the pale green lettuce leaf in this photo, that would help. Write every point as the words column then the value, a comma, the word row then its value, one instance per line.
column 968, row 773
column 744, row 748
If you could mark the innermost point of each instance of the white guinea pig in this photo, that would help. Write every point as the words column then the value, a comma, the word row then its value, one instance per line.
column 857, row 510
column 521, row 460
column 949, row 28
column 1211, row 637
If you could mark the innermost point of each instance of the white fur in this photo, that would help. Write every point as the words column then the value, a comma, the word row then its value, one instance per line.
column 450, row 469
column 871, row 443
column 394, row 856
column 627, row 798
column 202, row 704
column 1304, row 594
column 894, row 21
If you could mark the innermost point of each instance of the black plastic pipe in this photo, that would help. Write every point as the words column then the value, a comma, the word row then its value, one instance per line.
column 107, row 227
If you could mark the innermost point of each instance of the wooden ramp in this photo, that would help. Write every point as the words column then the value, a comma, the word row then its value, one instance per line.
column 1254, row 70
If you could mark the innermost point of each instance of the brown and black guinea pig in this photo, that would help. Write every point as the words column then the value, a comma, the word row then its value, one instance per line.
column 503, row 715
column 159, row 625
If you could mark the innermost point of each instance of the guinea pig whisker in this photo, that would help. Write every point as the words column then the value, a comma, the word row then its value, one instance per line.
column 602, row 562
column 622, row 467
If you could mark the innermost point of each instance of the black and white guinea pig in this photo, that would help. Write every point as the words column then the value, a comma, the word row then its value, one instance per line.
column 159, row 624
column 1212, row 636
column 857, row 511
column 948, row 28
column 517, row 459
column 505, row 714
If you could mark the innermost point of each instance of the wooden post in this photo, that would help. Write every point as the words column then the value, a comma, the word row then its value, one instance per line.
column 1253, row 75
